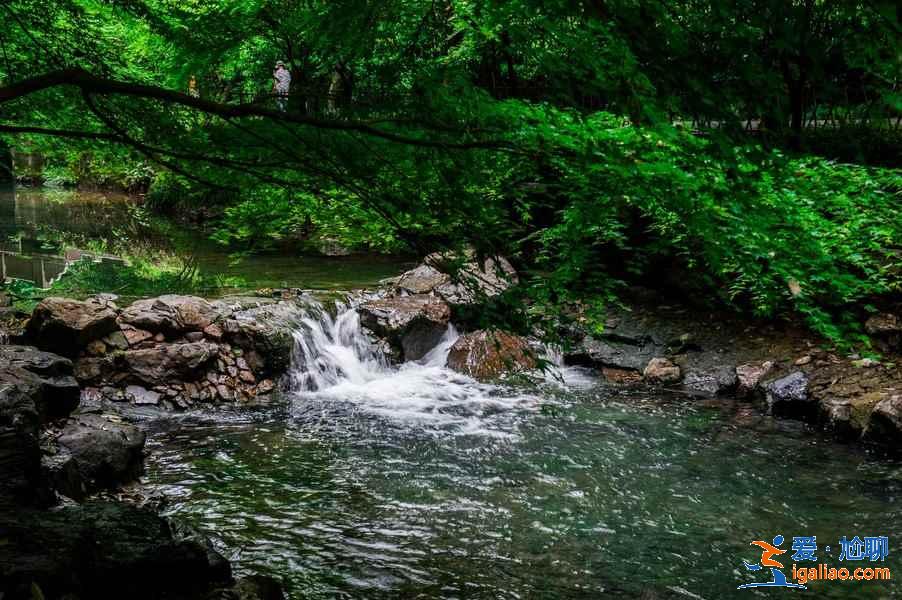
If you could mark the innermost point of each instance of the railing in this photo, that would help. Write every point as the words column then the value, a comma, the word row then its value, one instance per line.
column 41, row 270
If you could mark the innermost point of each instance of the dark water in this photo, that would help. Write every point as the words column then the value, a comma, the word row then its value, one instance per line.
column 42, row 224
column 592, row 495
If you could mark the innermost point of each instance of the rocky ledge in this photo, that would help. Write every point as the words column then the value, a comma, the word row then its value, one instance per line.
column 174, row 352
column 54, row 452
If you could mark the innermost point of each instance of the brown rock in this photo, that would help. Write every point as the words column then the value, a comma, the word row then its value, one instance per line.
column 96, row 348
column 66, row 326
column 621, row 376
column 488, row 355
column 750, row 375
column 661, row 370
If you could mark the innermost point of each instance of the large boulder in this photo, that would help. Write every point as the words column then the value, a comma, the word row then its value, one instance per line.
column 170, row 314
column 95, row 452
column 415, row 324
column 618, row 352
column 104, row 550
column 710, row 378
column 65, row 326
column 35, row 387
column 170, row 362
column 487, row 355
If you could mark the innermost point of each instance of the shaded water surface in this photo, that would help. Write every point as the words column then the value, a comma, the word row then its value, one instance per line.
column 43, row 224
column 417, row 482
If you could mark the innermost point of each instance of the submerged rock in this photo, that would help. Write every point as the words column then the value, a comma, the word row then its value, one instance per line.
column 487, row 355
column 65, row 326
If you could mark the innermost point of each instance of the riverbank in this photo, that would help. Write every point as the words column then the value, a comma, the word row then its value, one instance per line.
column 77, row 419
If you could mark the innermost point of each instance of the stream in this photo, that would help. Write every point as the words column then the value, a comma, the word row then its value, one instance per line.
column 372, row 481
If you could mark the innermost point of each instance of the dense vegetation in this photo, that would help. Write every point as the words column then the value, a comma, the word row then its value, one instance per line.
column 742, row 152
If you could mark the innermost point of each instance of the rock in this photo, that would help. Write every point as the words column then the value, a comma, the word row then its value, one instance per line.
column 788, row 397
column 621, row 376
column 105, row 551
column 141, row 396
column 263, row 336
column 57, row 391
column 214, row 332
column 661, row 370
column 103, row 453
column 117, row 340
column 413, row 323
column 422, row 280
column 883, row 325
column 885, row 422
column 265, row 387
column 66, row 326
column 711, row 379
column 91, row 370
column 865, row 363
column 96, row 348
column 802, row 361
column 171, row 362
column 472, row 281
column 750, row 375
column 170, row 314
column 616, row 352
column 194, row 336
column 487, row 355
column 135, row 336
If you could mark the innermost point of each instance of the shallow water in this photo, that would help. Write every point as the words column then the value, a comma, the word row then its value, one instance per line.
column 44, row 222
column 418, row 482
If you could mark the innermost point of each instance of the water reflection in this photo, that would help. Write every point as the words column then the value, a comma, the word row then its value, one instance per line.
column 42, row 230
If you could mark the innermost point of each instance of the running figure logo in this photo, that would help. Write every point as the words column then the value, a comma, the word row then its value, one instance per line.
column 768, row 550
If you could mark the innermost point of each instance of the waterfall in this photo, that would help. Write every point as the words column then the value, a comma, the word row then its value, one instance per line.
column 335, row 363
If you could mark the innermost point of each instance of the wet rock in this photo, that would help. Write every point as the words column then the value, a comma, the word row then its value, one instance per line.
column 35, row 388
column 632, row 353
column 422, row 280
column 141, row 396
column 663, row 371
column 57, row 390
column 170, row 362
column 65, row 326
column 263, row 336
column 885, row 422
column 750, row 375
column 105, row 551
column 487, row 355
column 95, row 452
column 170, row 314
column 415, row 324
column 621, row 376
column 710, row 380
column 788, row 397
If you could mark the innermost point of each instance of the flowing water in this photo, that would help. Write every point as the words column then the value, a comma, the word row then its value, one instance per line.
column 414, row 481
